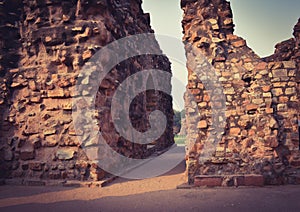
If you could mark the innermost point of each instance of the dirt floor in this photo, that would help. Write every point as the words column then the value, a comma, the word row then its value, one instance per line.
column 156, row 194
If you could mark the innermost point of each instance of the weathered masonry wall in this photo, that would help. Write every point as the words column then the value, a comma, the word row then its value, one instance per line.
column 43, row 45
column 260, row 140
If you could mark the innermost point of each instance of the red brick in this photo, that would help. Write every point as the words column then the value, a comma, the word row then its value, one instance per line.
column 231, row 37
column 202, row 124
column 234, row 131
column 239, row 43
column 269, row 110
column 266, row 88
column 254, row 180
column 210, row 181
column 261, row 66
column 195, row 91
column 251, row 107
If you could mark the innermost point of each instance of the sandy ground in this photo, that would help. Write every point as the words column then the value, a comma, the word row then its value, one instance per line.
column 156, row 194
column 20, row 195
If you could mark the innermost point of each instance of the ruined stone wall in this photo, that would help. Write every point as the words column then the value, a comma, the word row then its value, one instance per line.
column 44, row 44
column 261, row 104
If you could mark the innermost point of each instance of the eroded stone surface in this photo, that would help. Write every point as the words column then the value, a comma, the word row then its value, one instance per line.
column 262, row 102
column 43, row 45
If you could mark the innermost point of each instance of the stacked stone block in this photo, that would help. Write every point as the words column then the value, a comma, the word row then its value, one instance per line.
column 260, row 136
column 52, row 40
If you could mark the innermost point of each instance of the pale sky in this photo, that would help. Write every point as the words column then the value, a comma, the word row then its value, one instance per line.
column 263, row 23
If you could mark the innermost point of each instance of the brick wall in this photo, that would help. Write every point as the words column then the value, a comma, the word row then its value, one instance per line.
column 248, row 120
column 44, row 45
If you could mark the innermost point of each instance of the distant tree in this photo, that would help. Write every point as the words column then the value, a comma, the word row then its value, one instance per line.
column 182, row 113
column 176, row 122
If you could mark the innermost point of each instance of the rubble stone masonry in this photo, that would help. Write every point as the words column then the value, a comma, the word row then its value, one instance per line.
column 43, row 45
column 260, row 137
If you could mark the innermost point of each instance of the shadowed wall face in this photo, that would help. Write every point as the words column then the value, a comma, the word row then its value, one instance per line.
column 43, row 46
column 261, row 103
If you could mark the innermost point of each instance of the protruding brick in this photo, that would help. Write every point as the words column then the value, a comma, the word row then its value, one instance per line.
column 251, row 107
column 65, row 154
column 277, row 91
column 55, row 93
column 261, row 66
column 202, row 124
column 27, row 153
column 239, row 43
column 234, row 131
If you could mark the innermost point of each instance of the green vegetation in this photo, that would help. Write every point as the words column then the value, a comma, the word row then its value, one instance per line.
column 176, row 122
column 178, row 116
column 179, row 139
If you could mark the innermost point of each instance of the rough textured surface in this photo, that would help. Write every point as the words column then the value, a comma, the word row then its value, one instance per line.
column 43, row 45
column 262, row 102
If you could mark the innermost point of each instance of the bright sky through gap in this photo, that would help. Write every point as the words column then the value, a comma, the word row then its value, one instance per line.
column 263, row 23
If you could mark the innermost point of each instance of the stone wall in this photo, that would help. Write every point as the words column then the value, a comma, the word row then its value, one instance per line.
column 261, row 101
column 44, row 44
